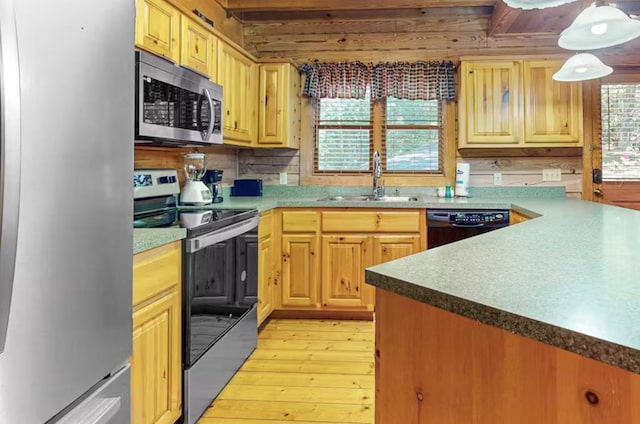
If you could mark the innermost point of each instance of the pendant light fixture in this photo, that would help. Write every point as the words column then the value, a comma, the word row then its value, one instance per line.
column 597, row 27
column 535, row 4
column 582, row 67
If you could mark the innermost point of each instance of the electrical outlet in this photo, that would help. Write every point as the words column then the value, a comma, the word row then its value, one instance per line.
column 283, row 178
column 551, row 174
column 497, row 178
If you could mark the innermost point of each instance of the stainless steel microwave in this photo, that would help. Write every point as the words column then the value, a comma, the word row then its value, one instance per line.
column 175, row 105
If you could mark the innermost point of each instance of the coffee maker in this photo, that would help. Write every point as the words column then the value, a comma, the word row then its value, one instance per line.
column 212, row 179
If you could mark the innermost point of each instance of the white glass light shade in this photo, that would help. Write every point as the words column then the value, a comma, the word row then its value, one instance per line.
column 582, row 67
column 535, row 4
column 597, row 27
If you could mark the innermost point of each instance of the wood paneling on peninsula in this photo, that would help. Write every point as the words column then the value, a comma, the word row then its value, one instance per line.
column 433, row 366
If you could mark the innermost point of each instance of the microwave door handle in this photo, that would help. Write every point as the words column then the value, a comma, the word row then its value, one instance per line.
column 10, row 146
column 206, row 134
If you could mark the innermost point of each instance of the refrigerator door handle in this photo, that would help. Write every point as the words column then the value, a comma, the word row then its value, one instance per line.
column 97, row 411
column 10, row 139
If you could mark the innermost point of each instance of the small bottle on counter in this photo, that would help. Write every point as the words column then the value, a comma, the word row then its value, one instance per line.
column 447, row 192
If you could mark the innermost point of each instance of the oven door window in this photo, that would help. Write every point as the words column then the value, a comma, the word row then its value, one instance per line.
column 171, row 106
column 210, row 292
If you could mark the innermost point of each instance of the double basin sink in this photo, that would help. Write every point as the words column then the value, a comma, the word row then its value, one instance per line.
column 368, row 198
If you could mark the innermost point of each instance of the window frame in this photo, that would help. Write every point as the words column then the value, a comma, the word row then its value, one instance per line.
column 309, row 176
column 611, row 81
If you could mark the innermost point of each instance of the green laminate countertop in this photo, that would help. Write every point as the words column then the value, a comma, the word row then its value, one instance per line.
column 569, row 278
column 148, row 238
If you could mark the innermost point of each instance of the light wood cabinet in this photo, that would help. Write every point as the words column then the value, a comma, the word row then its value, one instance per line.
column 490, row 104
column 344, row 259
column 517, row 217
column 156, row 363
column 300, row 282
column 266, row 261
column 279, row 106
column 324, row 253
column 552, row 109
column 389, row 247
column 238, row 76
column 158, row 28
column 198, row 48
column 300, row 261
column 517, row 104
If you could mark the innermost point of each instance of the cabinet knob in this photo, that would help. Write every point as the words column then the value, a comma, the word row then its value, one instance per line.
column 565, row 124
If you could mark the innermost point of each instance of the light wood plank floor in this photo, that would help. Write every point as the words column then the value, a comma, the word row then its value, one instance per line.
column 303, row 371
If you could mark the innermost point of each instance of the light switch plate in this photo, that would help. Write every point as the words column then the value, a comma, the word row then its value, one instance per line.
column 551, row 174
column 497, row 178
column 283, row 178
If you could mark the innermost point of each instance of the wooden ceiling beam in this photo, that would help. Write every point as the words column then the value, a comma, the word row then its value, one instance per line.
column 235, row 6
column 502, row 18
column 359, row 15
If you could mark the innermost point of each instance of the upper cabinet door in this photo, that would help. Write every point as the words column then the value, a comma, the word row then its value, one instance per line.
column 197, row 50
column 553, row 109
column 157, row 28
column 239, row 77
column 279, row 105
column 490, row 103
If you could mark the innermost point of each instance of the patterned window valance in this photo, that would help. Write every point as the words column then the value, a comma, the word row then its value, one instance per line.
column 347, row 80
column 403, row 80
column 414, row 81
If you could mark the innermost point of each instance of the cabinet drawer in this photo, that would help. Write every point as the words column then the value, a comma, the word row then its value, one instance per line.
column 155, row 271
column 266, row 224
column 371, row 221
column 299, row 221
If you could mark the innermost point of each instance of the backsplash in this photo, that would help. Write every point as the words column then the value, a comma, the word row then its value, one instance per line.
column 216, row 157
column 526, row 171
column 267, row 164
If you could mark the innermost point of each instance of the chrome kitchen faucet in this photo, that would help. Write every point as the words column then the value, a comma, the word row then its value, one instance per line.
column 378, row 187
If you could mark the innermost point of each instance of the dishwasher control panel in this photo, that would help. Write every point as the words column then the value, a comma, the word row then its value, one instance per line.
column 489, row 218
column 475, row 217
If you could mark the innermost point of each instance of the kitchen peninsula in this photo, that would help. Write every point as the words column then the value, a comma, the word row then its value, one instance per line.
column 535, row 323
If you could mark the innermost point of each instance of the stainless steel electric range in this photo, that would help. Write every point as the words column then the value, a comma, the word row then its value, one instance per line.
column 219, row 279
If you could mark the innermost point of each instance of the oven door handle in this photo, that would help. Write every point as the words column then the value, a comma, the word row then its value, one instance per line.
column 226, row 233
column 475, row 225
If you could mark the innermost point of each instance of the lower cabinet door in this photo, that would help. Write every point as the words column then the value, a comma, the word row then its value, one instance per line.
column 156, row 367
column 265, row 278
column 300, row 271
column 344, row 259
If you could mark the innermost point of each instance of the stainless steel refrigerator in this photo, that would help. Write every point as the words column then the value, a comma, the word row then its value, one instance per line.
column 66, row 164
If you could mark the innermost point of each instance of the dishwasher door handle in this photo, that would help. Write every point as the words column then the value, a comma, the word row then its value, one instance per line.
column 475, row 225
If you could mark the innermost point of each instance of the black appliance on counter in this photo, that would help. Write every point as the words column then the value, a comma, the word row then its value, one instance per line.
column 212, row 179
column 451, row 225
column 219, row 285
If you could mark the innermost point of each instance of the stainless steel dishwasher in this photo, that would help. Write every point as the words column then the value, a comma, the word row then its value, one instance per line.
column 451, row 225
